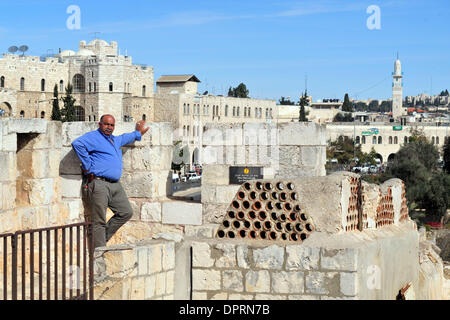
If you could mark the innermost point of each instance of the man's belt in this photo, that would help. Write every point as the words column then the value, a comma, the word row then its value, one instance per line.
column 92, row 176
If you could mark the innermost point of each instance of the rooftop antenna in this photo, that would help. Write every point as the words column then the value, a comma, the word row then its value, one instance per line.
column 23, row 49
column 13, row 49
column 95, row 34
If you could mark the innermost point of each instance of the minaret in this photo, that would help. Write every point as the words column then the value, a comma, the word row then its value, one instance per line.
column 397, row 91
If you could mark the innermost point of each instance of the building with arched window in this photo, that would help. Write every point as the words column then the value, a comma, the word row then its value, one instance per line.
column 29, row 82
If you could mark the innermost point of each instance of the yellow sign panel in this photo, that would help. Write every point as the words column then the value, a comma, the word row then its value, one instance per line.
column 246, row 171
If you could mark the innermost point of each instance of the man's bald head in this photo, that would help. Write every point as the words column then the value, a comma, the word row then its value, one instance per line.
column 107, row 124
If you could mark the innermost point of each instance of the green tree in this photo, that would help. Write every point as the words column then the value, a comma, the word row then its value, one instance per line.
column 68, row 111
column 347, row 106
column 56, row 112
column 286, row 102
column 239, row 92
column 343, row 117
column 416, row 163
column 446, row 155
column 303, row 103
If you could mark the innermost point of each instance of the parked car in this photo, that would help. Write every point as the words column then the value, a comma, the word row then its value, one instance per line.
column 175, row 178
column 373, row 169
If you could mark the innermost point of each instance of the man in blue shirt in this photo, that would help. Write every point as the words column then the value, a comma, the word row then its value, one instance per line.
column 101, row 161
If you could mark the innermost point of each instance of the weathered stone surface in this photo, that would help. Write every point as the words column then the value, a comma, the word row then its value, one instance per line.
column 288, row 282
column 257, row 281
column 151, row 211
column 269, row 258
column 321, row 282
column 243, row 258
column 179, row 212
column 201, row 255
column 206, row 279
column 233, row 280
column 342, row 260
column 349, row 283
column 302, row 258
column 228, row 255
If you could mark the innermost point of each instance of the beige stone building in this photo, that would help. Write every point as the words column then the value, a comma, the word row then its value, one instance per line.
column 104, row 81
column 177, row 101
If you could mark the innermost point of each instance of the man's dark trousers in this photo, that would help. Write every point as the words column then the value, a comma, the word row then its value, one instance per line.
column 99, row 196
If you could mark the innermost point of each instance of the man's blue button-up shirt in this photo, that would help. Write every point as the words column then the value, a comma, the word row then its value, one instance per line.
column 101, row 154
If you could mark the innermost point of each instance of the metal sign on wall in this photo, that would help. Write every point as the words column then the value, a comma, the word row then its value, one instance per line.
column 238, row 175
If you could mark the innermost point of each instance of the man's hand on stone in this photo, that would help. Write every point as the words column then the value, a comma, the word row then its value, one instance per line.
column 140, row 127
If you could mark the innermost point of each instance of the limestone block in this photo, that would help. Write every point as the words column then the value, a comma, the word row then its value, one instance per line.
column 76, row 210
column 302, row 258
column 310, row 155
column 9, row 142
column 170, row 282
column 27, row 126
column 228, row 258
column 138, row 184
column 142, row 258
column 183, row 213
column 288, row 282
column 226, row 194
column 206, row 279
column 36, row 192
column 233, row 280
column 201, row 255
column 257, row 281
column 8, row 165
column 120, row 262
column 151, row 211
column 155, row 258
column 208, row 194
column 8, row 195
column 349, row 283
column 260, row 134
column 168, row 257
column 141, row 158
column 214, row 213
column 269, row 258
column 290, row 156
column 127, row 159
column 322, row 282
column 137, row 288
column 203, row 231
column 219, row 296
column 10, row 221
column 301, row 133
column 113, row 289
column 339, row 259
column 159, row 158
column 150, row 287
column 162, row 183
column 199, row 295
column 243, row 258
column 215, row 175
column 74, row 130
column 264, row 297
column 71, row 186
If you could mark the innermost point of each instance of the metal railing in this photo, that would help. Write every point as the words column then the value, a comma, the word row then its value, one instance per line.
column 41, row 260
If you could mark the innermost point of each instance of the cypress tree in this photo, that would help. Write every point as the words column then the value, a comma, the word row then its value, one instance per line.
column 69, row 105
column 56, row 112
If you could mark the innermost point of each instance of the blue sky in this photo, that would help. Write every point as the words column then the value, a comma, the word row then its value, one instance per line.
column 271, row 46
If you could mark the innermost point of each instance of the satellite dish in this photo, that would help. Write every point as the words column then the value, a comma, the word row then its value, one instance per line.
column 13, row 49
column 23, row 49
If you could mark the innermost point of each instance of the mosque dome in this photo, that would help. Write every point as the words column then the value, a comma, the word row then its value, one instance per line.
column 68, row 53
column 86, row 52
column 98, row 42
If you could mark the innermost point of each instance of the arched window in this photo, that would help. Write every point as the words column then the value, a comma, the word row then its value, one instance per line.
column 188, row 131
column 78, row 83
column 380, row 140
column 95, row 86
column 43, row 85
column 374, row 140
column 358, row 140
column 363, row 140
column 144, row 117
column 249, row 112
column 267, row 113
column 234, row 111
column 89, row 118
column 61, row 86
column 184, row 130
column 405, row 140
column 79, row 114
column 42, row 114
column 226, row 111
column 111, row 87
column 2, row 82
column 22, row 84
column 395, row 140
column 437, row 140
column 390, row 140
column 90, row 87
column 22, row 114
column 432, row 140
column 144, row 89
column 184, row 108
